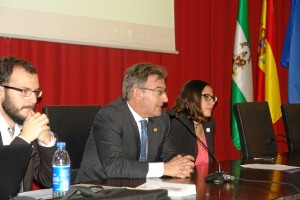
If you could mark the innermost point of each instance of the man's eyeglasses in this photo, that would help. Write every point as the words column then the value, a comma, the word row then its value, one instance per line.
column 158, row 91
column 208, row 97
column 25, row 92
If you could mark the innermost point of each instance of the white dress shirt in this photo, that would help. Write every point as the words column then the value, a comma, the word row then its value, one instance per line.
column 155, row 169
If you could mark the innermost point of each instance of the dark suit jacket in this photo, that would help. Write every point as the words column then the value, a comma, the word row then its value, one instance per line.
column 113, row 147
column 181, row 140
column 39, row 166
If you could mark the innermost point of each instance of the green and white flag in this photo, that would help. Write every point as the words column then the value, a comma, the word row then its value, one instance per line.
column 241, row 85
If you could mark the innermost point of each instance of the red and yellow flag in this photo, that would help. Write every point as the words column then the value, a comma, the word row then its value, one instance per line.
column 267, row 77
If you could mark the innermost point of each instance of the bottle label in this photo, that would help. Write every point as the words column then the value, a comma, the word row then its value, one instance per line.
column 61, row 178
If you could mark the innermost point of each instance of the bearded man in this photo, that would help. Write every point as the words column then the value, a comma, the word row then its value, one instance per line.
column 20, row 124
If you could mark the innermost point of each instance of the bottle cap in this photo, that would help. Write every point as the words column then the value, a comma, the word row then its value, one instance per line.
column 60, row 145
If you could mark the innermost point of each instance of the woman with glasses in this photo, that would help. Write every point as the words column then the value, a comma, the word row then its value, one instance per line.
column 193, row 121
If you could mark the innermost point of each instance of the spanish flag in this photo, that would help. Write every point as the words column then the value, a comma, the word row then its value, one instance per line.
column 267, row 77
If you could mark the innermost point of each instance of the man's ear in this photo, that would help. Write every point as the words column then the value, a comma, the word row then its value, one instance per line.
column 137, row 93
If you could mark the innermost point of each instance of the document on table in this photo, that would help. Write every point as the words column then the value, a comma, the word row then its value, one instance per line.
column 38, row 194
column 271, row 167
column 174, row 189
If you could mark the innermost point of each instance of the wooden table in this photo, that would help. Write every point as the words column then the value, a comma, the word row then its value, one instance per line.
column 258, row 187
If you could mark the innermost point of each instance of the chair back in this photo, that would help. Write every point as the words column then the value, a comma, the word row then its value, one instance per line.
column 291, row 120
column 72, row 124
column 255, row 129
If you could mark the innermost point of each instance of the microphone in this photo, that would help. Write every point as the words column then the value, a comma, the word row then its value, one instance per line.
column 270, row 140
column 217, row 177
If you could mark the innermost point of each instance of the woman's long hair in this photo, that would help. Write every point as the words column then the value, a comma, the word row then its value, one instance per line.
column 189, row 100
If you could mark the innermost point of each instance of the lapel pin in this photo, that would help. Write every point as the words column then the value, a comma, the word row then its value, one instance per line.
column 155, row 130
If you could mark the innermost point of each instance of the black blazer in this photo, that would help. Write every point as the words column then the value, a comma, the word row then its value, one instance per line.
column 113, row 147
column 181, row 140
column 39, row 167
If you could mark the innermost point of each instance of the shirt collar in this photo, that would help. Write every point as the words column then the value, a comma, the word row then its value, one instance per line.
column 136, row 116
column 4, row 129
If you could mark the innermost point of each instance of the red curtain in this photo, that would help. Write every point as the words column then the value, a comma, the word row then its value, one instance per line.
column 74, row 74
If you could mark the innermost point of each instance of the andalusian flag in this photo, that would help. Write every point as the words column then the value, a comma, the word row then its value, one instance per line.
column 241, row 86
column 267, row 77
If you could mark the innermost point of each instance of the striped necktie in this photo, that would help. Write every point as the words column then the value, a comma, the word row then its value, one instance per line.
column 144, row 139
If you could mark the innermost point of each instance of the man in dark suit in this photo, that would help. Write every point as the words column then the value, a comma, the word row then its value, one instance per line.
column 114, row 148
column 19, row 124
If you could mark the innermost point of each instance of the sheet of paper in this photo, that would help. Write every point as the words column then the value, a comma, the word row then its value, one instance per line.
column 42, row 194
column 174, row 189
column 270, row 166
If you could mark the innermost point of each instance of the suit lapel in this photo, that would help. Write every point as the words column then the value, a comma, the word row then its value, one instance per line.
column 131, row 125
column 154, row 132
column 190, row 125
column 187, row 121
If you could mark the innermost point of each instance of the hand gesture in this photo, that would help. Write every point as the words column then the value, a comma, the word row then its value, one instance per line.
column 36, row 127
column 180, row 166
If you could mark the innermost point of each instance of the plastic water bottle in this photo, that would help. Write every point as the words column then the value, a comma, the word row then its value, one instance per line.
column 60, row 171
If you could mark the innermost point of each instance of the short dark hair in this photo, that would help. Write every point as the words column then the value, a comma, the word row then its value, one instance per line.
column 138, row 75
column 8, row 63
column 190, row 98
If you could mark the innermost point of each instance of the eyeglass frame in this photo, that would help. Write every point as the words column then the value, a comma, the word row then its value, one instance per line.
column 208, row 98
column 158, row 91
column 38, row 93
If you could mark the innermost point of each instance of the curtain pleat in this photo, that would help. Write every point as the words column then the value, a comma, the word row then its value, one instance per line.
column 74, row 74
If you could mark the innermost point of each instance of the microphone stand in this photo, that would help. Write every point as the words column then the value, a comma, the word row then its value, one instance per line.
column 217, row 177
column 270, row 140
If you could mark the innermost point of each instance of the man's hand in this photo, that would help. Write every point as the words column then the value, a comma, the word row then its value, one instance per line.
column 180, row 166
column 36, row 127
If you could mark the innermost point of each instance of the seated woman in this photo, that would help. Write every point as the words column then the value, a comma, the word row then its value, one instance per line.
column 194, row 107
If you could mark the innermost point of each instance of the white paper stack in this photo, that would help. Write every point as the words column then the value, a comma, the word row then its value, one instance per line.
column 175, row 190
